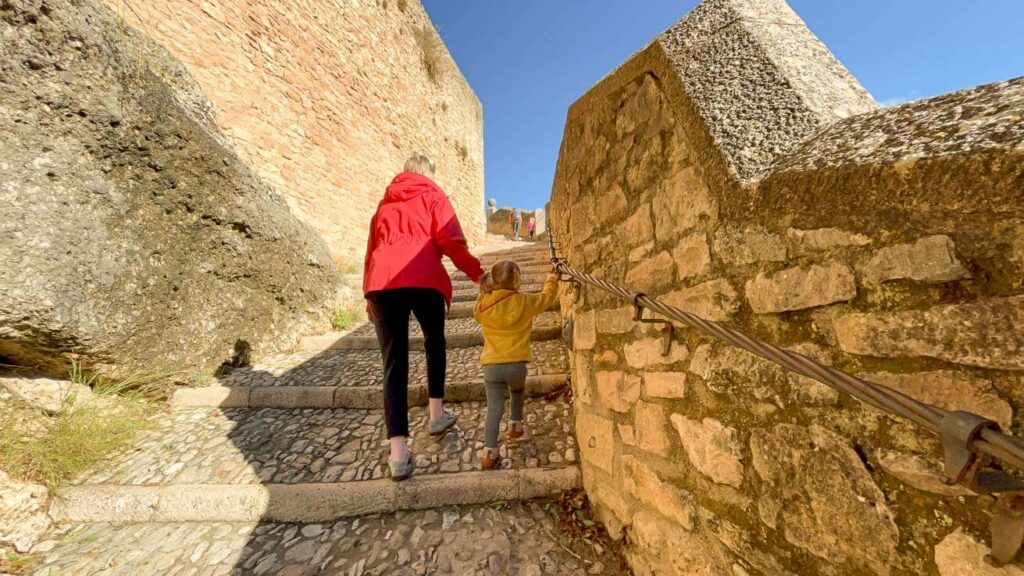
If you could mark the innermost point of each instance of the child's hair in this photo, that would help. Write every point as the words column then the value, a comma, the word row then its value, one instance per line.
column 486, row 283
column 505, row 275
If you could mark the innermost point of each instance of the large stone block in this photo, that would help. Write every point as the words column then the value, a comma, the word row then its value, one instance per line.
column 647, row 353
column 652, row 428
column 801, row 287
column 831, row 506
column 692, row 255
column 637, row 229
column 653, row 276
column 143, row 241
column 617, row 390
column 949, row 390
column 730, row 370
column 681, row 204
column 748, row 246
column 713, row 300
column 597, row 440
column 983, row 333
column 645, row 486
column 584, row 331
column 670, row 385
column 919, row 472
column 931, row 259
column 712, row 447
column 961, row 555
column 824, row 239
column 615, row 321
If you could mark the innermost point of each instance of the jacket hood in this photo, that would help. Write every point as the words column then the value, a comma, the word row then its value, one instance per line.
column 407, row 186
column 501, row 309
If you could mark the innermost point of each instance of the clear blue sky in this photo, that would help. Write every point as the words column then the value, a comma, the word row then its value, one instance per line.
column 528, row 60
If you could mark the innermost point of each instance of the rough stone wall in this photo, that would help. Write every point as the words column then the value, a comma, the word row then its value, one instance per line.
column 326, row 100
column 132, row 235
column 888, row 244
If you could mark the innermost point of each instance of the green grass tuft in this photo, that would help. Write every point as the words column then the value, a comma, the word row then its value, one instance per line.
column 52, row 450
column 346, row 317
column 13, row 563
column 73, row 441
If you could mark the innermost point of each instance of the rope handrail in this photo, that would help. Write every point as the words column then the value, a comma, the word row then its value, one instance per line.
column 970, row 442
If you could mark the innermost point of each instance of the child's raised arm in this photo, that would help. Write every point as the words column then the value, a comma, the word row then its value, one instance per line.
column 540, row 302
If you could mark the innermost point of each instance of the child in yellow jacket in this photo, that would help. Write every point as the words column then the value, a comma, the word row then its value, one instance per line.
column 506, row 316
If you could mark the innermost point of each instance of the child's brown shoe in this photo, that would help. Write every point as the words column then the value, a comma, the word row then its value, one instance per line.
column 516, row 430
column 489, row 459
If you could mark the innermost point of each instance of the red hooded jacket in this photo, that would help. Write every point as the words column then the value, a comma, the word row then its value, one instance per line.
column 415, row 225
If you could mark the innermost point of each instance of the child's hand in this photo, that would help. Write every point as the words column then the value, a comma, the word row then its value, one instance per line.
column 553, row 277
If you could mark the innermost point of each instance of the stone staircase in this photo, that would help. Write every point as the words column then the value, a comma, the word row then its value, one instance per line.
column 281, row 468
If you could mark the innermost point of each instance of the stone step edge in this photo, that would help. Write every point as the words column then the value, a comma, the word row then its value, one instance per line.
column 304, row 503
column 355, row 397
column 323, row 343
column 462, row 310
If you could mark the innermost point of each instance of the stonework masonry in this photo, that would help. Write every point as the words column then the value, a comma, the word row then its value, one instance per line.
column 326, row 100
column 733, row 168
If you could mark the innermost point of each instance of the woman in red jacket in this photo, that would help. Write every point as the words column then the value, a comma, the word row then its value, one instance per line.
column 414, row 227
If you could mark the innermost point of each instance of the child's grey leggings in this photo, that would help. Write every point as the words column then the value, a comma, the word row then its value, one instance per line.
column 500, row 378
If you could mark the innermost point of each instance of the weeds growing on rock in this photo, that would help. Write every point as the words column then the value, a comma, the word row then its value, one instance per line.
column 433, row 52
column 52, row 450
column 139, row 385
column 346, row 317
column 13, row 563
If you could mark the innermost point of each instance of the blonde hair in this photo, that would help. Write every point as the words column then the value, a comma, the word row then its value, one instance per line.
column 506, row 275
column 486, row 283
column 420, row 164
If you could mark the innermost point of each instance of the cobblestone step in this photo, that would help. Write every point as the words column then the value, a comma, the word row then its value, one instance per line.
column 366, row 397
column 465, row 309
column 305, row 503
column 468, row 292
column 517, row 539
column 535, row 272
column 353, row 368
column 314, row 465
column 197, row 446
column 459, row 333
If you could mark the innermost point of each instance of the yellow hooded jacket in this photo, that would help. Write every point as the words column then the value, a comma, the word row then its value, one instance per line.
column 507, row 319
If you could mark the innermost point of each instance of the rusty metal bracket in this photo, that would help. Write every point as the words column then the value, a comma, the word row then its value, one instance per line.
column 668, row 329
column 958, row 430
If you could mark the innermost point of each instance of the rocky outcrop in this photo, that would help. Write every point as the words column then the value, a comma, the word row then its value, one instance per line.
column 132, row 235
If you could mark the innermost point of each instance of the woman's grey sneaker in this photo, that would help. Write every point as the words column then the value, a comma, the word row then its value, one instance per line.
column 402, row 470
column 442, row 424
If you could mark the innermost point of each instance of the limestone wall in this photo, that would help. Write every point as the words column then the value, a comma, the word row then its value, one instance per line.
column 889, row 244
column 326, row 100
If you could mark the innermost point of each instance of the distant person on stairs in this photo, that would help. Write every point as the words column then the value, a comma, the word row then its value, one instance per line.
column 506, row 316
column 413, row 228
column 531, row 227
column 517, row 222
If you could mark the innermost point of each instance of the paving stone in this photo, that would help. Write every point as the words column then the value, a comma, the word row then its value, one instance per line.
column 472, row 537
column 349, row 368
column 273, row 445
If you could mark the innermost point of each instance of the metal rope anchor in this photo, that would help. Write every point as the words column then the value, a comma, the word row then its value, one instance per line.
column 668, row 329
column 966, row 467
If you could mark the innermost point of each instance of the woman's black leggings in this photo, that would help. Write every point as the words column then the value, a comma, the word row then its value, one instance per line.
column 390, row 309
